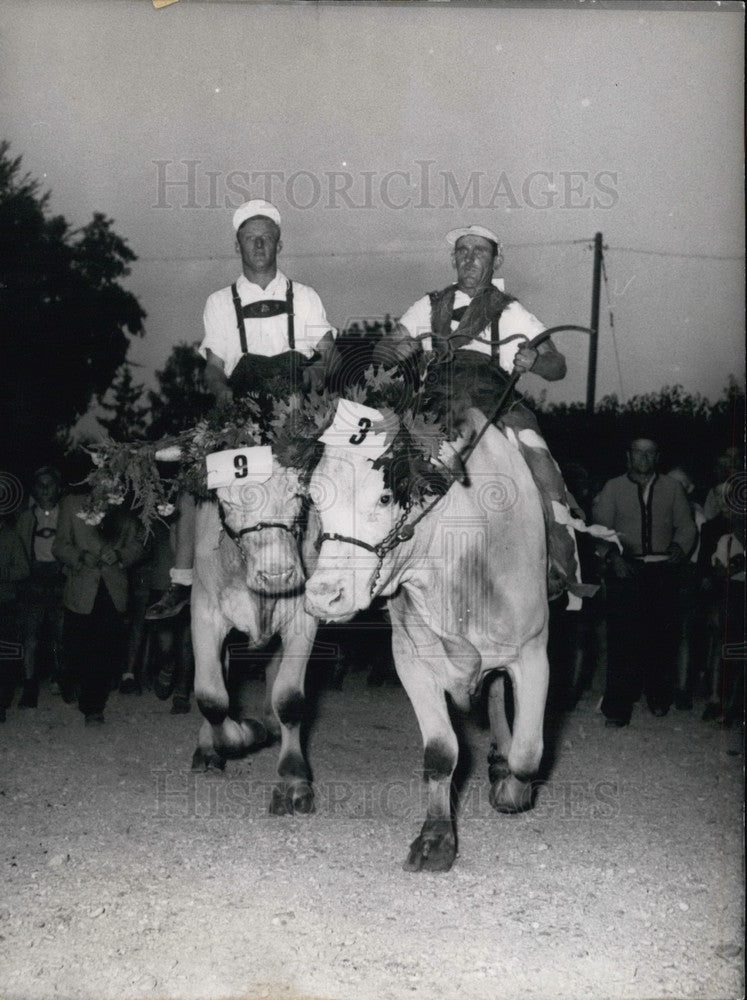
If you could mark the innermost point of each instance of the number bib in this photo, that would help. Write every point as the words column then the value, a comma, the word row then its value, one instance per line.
column 238, row 465
column 360, row 429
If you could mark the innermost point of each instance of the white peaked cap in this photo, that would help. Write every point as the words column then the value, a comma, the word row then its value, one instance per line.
column 456, row 234
column 250, row 209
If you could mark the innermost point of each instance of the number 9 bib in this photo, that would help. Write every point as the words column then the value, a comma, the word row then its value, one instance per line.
column 238, row 465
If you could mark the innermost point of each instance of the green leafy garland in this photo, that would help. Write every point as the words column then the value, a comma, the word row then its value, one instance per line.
column 292, row 427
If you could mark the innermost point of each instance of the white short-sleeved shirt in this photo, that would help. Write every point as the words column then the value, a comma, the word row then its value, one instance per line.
column 268, row 335
column 515, row 319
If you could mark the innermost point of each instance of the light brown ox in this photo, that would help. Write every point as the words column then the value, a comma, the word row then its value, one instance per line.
column 249, row 574
column 467, row 597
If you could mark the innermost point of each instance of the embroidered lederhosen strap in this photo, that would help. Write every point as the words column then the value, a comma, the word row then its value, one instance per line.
column 263, row 310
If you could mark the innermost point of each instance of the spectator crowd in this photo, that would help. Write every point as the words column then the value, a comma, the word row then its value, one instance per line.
column 666, row 626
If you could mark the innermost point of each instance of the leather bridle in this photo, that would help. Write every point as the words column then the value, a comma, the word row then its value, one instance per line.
column 294, row 529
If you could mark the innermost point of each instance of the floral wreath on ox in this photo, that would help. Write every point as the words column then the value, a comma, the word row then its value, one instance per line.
column 416, row 426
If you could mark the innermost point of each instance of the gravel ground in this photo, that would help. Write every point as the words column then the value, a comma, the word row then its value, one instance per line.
column 125, row 875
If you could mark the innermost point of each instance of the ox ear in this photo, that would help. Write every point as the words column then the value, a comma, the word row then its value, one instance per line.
column 171, row 453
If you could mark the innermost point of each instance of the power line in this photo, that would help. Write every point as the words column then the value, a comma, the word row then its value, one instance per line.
column 333, row 254
column 671, row 253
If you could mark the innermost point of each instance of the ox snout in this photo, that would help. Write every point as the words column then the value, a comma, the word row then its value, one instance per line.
column 328, row 598
column 279, row 578
column 273, row 567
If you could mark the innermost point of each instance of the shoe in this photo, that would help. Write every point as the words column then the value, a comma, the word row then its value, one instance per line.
column 658, row 711
column 164, row 684
column 129, row 685
column 176, row 597
column 30, row 695
column 683, row 701
column 95, row 719
column 68, row 692
column 616, row 723
column 180, row 705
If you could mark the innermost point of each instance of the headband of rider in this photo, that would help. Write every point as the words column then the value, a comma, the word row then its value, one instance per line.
column 251, row 209
column 456, row 234
column 360, row 430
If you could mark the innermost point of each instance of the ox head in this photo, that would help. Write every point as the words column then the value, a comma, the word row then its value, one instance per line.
column 358, row 510
column 362, row 489
column 262, row 514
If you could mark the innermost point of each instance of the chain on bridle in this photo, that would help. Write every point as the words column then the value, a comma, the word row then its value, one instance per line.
column 401, row 532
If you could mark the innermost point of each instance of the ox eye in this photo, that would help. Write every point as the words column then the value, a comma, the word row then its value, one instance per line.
column 385, row 499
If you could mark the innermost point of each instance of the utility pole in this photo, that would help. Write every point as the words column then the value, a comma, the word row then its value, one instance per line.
column 591, row 375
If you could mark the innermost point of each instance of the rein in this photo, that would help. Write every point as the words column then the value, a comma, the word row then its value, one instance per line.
column 236, row 536
column 403, row 532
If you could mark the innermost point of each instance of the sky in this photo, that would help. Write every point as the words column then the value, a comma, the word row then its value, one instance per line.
column 377, row 127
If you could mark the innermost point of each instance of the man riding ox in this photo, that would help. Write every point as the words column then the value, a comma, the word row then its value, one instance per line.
column 263, row 331
column 465, row 576
column 479, row 333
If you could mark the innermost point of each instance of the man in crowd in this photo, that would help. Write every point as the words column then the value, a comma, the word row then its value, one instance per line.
column 483, row 334
column 652, row 518
column 96, row 559
column 263, row 327
column 14, row 567
column 41, row 593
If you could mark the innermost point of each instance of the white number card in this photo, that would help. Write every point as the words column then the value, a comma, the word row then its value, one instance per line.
column 237, row 465
column 359, row 428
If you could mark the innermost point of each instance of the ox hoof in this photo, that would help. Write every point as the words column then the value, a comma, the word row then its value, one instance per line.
column 238, row 738
column 207, row 760
column 498, row 768
column 509, row 795
column 292, row 800
column 434, row 849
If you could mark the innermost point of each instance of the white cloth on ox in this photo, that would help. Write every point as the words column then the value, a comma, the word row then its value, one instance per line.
column 573, row 524
column 360, row 430
column 564, row 516
column 532, row 439
column 529, row 438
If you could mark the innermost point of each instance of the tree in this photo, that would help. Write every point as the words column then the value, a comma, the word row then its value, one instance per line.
column 65, row 319
column 129, row 416
column 181, row 398
column 689, row 429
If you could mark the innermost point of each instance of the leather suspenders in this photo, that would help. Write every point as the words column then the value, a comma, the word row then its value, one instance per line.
column 263, row 310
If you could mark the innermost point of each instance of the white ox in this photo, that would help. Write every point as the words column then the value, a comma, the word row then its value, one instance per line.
column 467, row 597
column 251, row 561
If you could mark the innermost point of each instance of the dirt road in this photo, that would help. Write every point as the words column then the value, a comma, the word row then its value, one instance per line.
column 127, row 876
